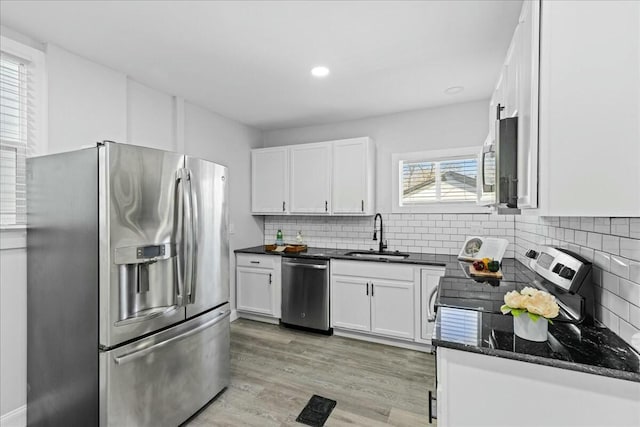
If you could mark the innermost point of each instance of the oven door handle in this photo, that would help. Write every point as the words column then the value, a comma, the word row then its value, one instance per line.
column 431, row 315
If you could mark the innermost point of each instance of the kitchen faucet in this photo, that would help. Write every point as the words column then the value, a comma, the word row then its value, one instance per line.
column 383, row 245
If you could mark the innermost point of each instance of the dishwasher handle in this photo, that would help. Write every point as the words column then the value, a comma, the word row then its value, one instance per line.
column 313, row 266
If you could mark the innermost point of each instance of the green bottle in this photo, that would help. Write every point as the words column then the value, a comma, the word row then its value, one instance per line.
column 279, row 240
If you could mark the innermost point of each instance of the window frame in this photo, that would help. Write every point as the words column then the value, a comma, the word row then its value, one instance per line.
column 432, row 207
column 36, row 143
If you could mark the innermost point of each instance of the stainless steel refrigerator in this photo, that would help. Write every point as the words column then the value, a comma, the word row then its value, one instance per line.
column 128, row 286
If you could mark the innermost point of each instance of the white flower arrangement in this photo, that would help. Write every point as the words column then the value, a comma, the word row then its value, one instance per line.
column 532, row 301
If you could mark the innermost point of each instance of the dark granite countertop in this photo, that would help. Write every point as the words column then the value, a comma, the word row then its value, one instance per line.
column 450, row 262
column 592, row 349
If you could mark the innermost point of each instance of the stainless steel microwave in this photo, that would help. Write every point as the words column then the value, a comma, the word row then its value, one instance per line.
column 498, row 164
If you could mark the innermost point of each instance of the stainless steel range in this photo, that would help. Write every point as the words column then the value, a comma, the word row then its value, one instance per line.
column 558, row 271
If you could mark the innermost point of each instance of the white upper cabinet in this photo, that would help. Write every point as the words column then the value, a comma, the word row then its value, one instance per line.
column 516, row 94
column 270, row 180
column 527, row 44
column 353, row 175
column 590, row 109
column 324, row 178
column 310, row 178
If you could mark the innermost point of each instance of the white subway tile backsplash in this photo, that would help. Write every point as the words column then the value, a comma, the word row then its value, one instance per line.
column 594, row 240
column 612, row 244
column 602, row 225
column 587, row 223
column 620, row 266
column 581, row 238
column 409, row 232
column 634, row 228
column 630, row 248
column 630, row 291
column 620, row 226
column 634, row 316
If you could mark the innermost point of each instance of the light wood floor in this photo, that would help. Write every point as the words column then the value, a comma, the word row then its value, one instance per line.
column 274, row 372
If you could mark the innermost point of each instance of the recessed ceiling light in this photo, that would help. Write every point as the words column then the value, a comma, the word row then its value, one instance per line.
column 320, row 72
column 453, row 90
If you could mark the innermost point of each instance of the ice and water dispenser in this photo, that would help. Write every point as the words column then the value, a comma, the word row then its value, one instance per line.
column 146, row 278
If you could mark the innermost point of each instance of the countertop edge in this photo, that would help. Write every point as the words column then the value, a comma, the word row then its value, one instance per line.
column 252, row 251
column 537, row 360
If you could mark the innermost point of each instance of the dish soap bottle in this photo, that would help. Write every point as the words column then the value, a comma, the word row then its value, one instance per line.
column 279, row 241
column 299, row 238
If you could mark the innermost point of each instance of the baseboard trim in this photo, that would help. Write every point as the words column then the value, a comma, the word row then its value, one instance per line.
column 258, row 318
column 15, row 418
column 424, row 348
column 234, row 315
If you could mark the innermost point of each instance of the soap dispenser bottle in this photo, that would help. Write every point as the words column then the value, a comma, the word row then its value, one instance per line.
column 279, row 240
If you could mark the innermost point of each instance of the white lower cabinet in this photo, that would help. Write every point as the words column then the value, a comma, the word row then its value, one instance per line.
column 350, row 302
column 392, row 308
column 371, row 297
column 258, row 284
column 563, row 397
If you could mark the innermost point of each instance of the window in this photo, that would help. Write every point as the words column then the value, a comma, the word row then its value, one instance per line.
column 21, row 114
column 436, row 181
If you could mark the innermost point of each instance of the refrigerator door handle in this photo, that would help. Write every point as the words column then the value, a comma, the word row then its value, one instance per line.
column 187, row 205
column 193, row 241
column 183, row 227
column 128, row 357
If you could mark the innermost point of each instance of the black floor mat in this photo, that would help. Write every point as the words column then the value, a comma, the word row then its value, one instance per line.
column 317, row 411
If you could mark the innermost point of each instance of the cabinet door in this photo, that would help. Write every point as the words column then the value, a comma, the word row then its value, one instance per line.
column 528, row 70
column 311, row 178
column 254, row 290
column 270, row 180
column 352, row 176
column 511, row 84
column 392, row 308
column 350, row 303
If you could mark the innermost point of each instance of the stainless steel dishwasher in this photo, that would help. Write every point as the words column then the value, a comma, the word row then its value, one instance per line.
column 305, row 293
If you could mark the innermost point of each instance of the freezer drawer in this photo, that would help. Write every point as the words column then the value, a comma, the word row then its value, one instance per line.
column 164, row 379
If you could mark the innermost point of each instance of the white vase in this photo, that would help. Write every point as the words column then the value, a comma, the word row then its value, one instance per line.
column 526, row 328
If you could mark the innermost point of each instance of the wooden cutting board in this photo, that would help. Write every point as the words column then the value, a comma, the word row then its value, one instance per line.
column 289, row 248
column 484, row 273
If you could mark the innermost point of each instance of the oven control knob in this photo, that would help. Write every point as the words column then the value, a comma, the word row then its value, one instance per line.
column 557, row 268
column 531, row 254
column 567, row 273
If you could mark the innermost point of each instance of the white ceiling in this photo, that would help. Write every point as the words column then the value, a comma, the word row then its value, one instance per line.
column 250, row 61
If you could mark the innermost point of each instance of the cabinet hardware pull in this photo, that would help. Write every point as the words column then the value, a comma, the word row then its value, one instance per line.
column 371, row 288
column 367, row 288
column 283, row 204
column 269, row 278
column 255, row 262
column 326, row 206
column 362, row 202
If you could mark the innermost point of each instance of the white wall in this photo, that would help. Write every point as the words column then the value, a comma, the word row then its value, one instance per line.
column 88, row 102
column 150, row 117
column 453, row 126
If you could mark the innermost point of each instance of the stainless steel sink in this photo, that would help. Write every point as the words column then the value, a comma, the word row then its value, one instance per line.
column 378, row 255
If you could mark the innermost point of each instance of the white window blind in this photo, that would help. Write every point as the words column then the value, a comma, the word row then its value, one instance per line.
column 452, row 180
column 14, row 125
